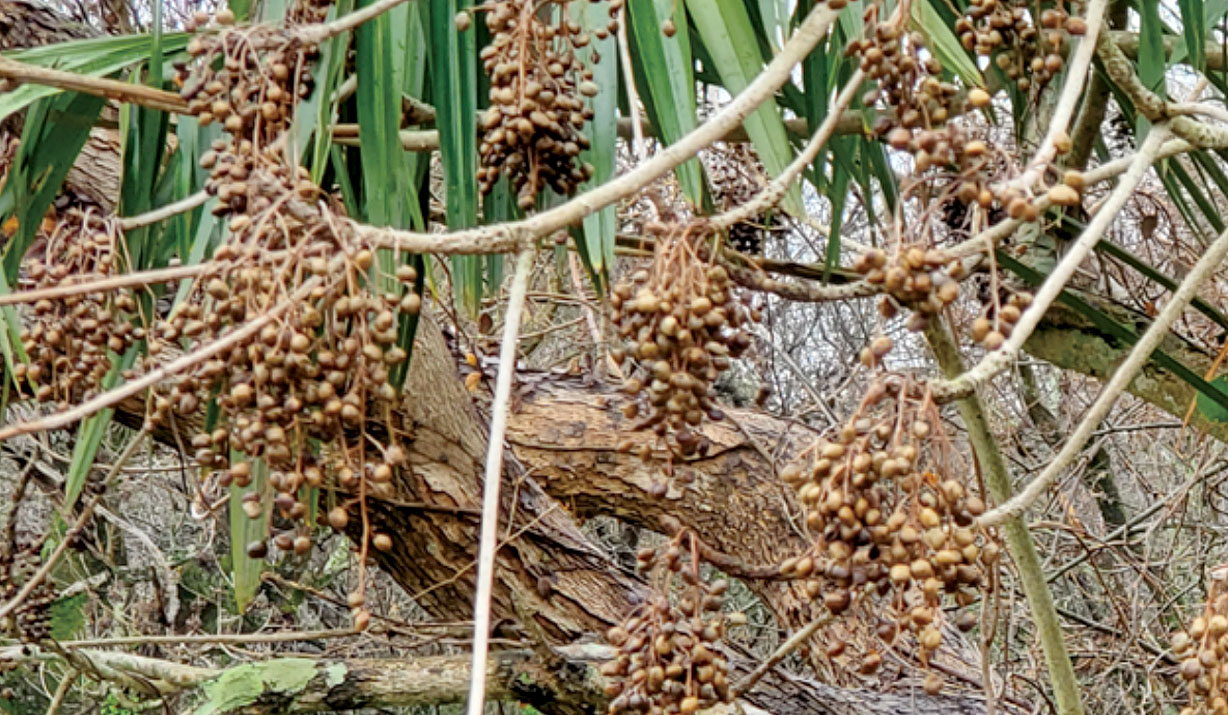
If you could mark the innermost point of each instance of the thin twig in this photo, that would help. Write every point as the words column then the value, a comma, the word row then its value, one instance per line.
column 86, row 512
column 998, row 361
column 217, row 638
column 97, row 86
column 1072, row 93
column 61, row 691
column 113, row 397
column 126, row 280
column 164, row 212
column 1138, row 357
column 315, row 34
column 795, row 640
column 511, row 236
column 779, row 186
column 493, row 478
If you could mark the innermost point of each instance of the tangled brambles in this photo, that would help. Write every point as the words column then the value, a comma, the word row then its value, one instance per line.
column 925, row 280
column 538, row 87
column 1007, row 33
column 69, row 339
column 892, row 516
column 668, row 659
column 1203, row 649
column 682, row 323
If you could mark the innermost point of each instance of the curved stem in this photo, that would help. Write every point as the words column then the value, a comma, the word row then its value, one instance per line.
column 494, row 473
column 1018, row 539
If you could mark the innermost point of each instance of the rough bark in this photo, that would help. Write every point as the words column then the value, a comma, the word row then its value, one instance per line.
column 567, row 682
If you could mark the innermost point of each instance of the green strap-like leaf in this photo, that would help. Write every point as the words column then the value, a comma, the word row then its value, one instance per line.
column 244, row 530
column 453, row 59
column 726, row 30
column 1118, row 331
column 596, row 234
column 1194, row 29
column 665, row 79
column 55, row 130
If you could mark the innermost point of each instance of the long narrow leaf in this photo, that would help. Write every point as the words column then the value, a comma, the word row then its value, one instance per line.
column 453, row 60
column 245, row 531
column 726, row 30
column 55, row 130
column 665, row 79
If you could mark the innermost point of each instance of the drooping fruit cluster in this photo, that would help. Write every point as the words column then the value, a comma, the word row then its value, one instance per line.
column 310, row 318
column 923, row 279
column 314, row 374
column 994, row 325
column 909, row 78
column 668, row 657
column 682, row 322
column 1203, row 649
column 70, row 340
column 263, row 74
column 892, row 517
column 1007, row 33
column 538, row 88
column 736, row 176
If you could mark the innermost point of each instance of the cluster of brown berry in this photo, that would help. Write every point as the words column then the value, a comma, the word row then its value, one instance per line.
column 682, row 322
column 1203, row 649
column 70, row 341
column 892, row 517
column 909, row 78
column 923, row 279
column 993, row 327
column 295, row 394
column 249, row 80
column 669, row 658
column 1007, row 32
column 538, row 88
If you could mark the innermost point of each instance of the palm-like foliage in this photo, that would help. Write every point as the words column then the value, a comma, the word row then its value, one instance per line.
column 419, row 67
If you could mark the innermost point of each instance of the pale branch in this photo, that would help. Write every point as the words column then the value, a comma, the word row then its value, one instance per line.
column 1153, row 107
column 794, row 642
column 1019, row 542
column 1206, row 266
column 776, row 189
column 1001, row 359
column 200, row 198
column 1111, row 169
column 113, row 397
column 493, row 477
column 126, row 280
column 1129, row 43
column 566, row 682
column 420, row 140
column 22, row 72
column 1068, row 100
column 511, row 236
column 214, row 638
column 315, row 34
